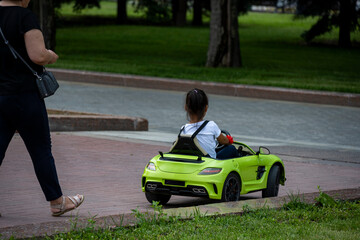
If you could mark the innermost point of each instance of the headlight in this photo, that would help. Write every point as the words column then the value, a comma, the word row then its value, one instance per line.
column 209, row 171
column 151, row 166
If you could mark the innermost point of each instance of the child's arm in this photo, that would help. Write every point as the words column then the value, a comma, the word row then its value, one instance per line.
column 224, row 140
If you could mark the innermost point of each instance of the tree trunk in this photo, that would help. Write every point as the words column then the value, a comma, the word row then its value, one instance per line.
column 345, row 23
column 179, row 8
column 197, row 8
column 224, row 46
column 121, row 12
column 44, row 9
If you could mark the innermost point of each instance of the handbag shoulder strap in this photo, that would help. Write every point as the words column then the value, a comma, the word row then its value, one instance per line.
column 16, row 54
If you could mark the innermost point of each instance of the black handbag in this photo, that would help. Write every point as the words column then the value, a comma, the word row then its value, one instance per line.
column 46, row 82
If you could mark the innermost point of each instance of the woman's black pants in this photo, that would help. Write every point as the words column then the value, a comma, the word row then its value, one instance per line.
column 27, row 114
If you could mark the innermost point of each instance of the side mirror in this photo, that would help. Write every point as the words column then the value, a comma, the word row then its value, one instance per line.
column 263, row 150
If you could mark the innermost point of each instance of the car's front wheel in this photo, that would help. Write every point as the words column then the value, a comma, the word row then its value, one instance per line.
column 232, row 188
column 162, row 198
column 273, row 182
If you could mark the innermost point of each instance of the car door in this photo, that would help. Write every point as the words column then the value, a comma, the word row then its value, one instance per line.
column 248, row 167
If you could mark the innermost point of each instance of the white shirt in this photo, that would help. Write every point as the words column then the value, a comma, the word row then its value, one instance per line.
column 206, row 137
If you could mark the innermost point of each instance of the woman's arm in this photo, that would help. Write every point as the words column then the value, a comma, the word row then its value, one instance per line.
column 35, row 47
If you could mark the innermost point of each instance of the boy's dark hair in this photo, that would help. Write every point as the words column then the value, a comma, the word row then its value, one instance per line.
column 196, row 102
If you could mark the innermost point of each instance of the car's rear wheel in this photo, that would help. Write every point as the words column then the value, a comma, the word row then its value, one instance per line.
column 273, row 182
column 162, row 198
column 232, row 188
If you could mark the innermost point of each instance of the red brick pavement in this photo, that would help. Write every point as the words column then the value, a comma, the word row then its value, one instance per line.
column 108, row 173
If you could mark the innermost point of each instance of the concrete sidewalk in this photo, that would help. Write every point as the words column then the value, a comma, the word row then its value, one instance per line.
column 108, row 172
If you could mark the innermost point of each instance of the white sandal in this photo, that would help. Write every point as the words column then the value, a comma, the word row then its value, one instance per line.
column 77, row 201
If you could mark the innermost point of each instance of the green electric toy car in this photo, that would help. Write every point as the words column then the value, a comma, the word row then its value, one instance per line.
column 187, row 170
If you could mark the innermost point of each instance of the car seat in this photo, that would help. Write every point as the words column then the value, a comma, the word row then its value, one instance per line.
column 188, row 144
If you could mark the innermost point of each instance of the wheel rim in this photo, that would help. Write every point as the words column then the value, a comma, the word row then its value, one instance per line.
column 232, row 190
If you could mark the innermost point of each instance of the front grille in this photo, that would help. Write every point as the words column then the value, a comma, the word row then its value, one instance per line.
column 175, row 183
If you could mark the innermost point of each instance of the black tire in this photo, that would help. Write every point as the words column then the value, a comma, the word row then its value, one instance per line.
column 163, row 199
column 273, row 182
column 231, row 189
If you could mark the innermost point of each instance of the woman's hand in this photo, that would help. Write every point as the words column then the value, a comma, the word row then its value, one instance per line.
column 54, row 57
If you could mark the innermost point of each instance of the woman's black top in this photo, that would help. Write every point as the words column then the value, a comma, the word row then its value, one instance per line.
column 15, row 77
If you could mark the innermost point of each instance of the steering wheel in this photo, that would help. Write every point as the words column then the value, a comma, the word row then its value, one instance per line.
column 221, row 146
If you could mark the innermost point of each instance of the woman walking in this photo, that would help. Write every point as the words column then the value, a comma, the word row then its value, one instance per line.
column 21, row 108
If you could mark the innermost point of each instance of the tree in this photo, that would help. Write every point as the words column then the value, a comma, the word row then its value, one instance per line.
column 200, row 7
column 197, row 9
column 81, row 4
column 121, row 12
column 44, row 9
column 332, row 13
column 156, row 11
column 224, row 46
column 179, row 8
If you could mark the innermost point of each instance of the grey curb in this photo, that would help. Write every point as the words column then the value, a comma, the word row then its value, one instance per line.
column 81, row 121
column 128, row 219
column 238, row 90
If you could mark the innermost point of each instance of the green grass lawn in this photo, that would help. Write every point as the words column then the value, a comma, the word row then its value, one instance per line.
column 272, row 51
column 107, row 8
column 295, row 220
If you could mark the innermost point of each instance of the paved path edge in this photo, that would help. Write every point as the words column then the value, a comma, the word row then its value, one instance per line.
column 238, row 90
column 128, row 219
column 81, row 121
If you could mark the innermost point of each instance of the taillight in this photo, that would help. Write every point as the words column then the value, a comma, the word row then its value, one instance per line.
column 209, row 171
column 151, row 166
